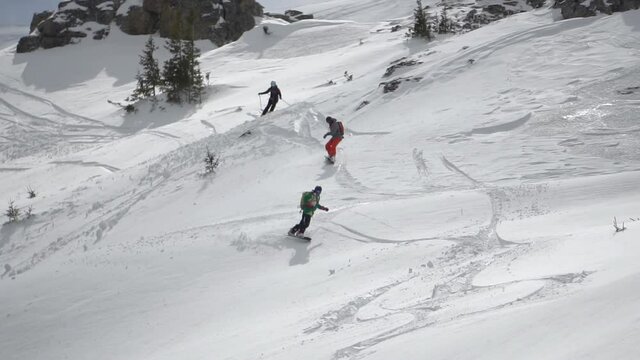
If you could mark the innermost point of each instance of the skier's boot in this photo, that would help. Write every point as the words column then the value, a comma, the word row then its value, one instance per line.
column 292, row 231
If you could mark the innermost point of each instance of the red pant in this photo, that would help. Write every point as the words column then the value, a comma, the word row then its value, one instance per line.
column 331, row 146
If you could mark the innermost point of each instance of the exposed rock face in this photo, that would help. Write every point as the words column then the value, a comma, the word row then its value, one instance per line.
column 220, row 21
column 291, row 16
column 584, row 8
column 38, row 18
column 69, row 23
column 495, row 10
column 28, row 43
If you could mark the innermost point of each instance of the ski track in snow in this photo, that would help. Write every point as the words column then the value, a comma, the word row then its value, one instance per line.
column 468, row 256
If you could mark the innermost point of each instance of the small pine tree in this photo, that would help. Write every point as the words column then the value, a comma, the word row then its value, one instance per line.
column 421, row 25
column 211, row 162
column 150, row 77
column 13, row 213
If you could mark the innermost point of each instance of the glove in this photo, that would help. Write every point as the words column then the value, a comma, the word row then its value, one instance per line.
column 325, row 208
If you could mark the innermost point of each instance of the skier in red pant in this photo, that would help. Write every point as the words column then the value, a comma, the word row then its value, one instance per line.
column 336, row 130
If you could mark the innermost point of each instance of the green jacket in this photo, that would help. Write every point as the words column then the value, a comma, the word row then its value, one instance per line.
column 309, row 202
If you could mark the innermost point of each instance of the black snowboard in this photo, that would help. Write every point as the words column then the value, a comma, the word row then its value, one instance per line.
column 300, row 237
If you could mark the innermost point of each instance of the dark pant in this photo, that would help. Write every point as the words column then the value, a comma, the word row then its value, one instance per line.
column 304, row 224
column 271, row 105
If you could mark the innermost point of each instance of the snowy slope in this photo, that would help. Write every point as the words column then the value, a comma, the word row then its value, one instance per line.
column 470, row 209
column 9, row 35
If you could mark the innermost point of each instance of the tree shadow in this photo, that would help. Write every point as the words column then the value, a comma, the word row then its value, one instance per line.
column 61, row 68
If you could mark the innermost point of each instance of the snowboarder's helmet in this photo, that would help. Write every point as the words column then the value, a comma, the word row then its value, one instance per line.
column 330, row 119
column 317, row 190
column 273, row 83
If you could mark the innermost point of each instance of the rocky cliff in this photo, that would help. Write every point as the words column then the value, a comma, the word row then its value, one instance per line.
column 584, row 8
column 220, row 21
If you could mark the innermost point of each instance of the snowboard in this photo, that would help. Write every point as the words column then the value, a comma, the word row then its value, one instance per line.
column 300, row 237
column 329, row 160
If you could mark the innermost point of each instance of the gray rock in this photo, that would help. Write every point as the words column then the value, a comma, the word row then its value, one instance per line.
column 304, row 17
column 292, row 13
column 583, row 8
column 399, row 64
column 291, row 16
column 217, row 20
column 220, row 21
column 536, row 4
column 280, row 16
column 38, row 18
column 101, row 34
column 152, row 6
column 495, row 9
column 393, row 85
column 138, row 22
column 28, row 43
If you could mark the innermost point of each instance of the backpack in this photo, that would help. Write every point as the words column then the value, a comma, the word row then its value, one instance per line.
column 310, row 196
column 306, row 193
column 341, row 127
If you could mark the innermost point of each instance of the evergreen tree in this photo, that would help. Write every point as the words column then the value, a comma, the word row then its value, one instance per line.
column 195, row 85
column 444, row 24
column 173, row 74
column 421, row 25
column 174, row 77
column 150, row 78
column 181, row 76
column 190, row 54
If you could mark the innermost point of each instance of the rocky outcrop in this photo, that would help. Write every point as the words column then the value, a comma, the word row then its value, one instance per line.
column 291, row 16
column 38, row 18
column 72, row 21
column 220, row 21
column 28, row 43
column 485, row 12
column 584, row 8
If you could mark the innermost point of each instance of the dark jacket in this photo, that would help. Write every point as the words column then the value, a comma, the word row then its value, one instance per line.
column 336, row 130
column 275, row 93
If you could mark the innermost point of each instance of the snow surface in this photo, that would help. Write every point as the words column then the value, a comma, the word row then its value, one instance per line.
column 9, row 35
column 470, row 210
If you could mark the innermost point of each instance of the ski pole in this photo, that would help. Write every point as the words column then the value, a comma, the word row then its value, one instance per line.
column 285, row 101
column 259, row 97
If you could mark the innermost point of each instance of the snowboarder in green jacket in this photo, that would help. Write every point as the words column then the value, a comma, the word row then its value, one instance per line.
column 309, row 202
